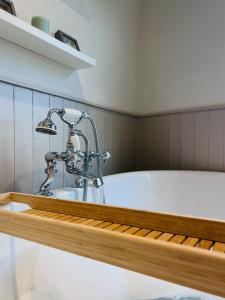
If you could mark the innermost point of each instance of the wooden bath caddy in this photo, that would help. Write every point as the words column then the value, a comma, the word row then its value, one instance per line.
column 185, row 250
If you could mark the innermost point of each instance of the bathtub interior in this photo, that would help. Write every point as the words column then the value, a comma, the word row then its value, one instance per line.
column 182, row 192
column 192, row 193
column 31, row 271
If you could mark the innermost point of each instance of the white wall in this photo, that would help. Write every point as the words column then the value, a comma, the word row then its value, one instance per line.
column 182, row 55
column 106, row 30
column 152, row 56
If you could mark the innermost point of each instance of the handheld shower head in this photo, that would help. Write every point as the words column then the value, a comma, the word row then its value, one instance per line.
column 47, row 127
column 70, row 116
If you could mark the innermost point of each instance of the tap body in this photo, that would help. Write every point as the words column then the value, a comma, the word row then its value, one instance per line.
column 77, row 162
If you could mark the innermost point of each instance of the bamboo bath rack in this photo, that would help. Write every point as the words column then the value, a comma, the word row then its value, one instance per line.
column 180, row 249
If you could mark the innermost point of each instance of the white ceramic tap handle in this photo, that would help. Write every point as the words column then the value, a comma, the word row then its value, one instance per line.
column 76, row 142
column 72, row 115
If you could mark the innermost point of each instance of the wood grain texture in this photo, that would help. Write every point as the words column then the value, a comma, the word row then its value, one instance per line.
column 178, row 239
column 205, row 244
column 127, row 229
column 193, row 267
column 190, row 241
column 5, row 198
column 219, row 247
column 180, row 225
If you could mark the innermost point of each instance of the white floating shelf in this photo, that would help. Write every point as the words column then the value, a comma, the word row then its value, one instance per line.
column 23, row 34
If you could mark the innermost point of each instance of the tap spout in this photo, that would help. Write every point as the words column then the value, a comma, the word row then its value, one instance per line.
column 51, row 160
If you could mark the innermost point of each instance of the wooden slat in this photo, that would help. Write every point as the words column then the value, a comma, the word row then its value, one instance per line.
column 38, row 212
column 190, row 241
column 153, row 235
column 59, row 217
column 70, row 219
column 64, row 218
column 5, row 198
column 219, row 247
column 205, row 244
column 178, row 239
column 31, row 211
column 142, row 232
column 48, row 214
column 86, row 222
column 52, row 215
column 103, row 225
column 167, row 261
column 95, row 223
column 180, row 225
column 79, row 220
column 122, row 228
column 113, row 226
column 165, row 237
column 44, row 213
column 132, row 230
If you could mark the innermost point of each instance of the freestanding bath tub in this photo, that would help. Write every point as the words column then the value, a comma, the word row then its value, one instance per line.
column 33, row 272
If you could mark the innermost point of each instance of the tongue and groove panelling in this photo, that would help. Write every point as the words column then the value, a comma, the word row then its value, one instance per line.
column 22, row 150
column 182, row 141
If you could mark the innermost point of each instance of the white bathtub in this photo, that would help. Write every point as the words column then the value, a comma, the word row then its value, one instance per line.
column 34, row 272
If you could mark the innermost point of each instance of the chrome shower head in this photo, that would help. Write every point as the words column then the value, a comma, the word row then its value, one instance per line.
column 47, row 127
column 71, row 117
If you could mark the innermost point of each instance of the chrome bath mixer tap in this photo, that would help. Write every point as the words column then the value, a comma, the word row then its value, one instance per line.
column 77, row 162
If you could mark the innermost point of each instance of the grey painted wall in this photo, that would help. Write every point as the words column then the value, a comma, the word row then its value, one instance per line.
column 186, row 141
column 181, row 141
column 22, row 150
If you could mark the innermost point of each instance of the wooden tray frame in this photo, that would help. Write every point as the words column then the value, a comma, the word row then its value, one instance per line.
column 192, row 267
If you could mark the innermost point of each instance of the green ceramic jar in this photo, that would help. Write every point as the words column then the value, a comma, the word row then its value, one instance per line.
column 41, row 23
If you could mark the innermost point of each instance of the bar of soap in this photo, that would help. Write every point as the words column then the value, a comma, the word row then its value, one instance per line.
column 41, row 23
